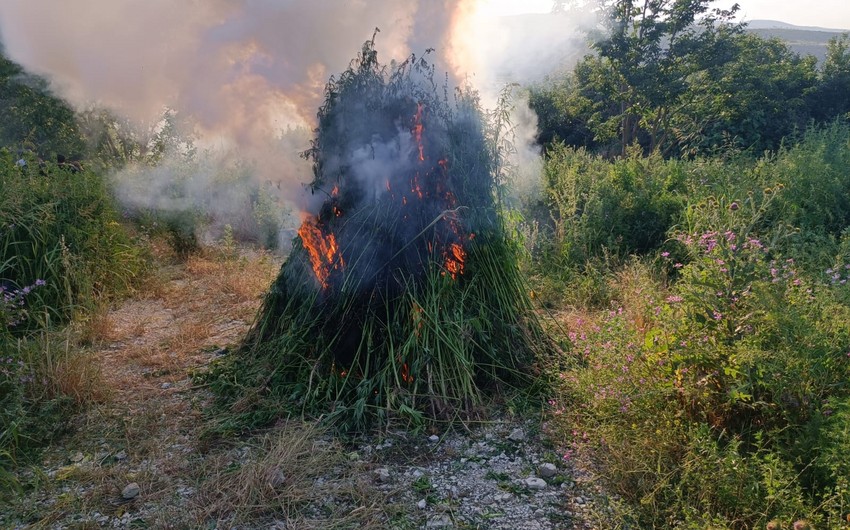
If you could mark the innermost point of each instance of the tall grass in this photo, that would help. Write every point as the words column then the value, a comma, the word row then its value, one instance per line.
column 62, row 253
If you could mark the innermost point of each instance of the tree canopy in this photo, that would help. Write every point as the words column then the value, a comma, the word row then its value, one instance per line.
column 678, row 77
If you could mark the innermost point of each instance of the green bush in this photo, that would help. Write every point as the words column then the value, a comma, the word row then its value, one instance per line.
column 59, row 225
column 718, row 397
column 714, row 402
column 624, row 207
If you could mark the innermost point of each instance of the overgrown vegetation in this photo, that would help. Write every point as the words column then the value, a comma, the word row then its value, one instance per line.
column 62, row 253
column 713, row 388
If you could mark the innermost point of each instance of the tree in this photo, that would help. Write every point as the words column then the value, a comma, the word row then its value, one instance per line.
column 752, row 101
column 831, row 97
column 652, row 48
column 677, row 79
column 33, row 118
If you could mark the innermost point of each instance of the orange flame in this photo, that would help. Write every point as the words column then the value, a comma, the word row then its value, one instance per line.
column 417, row 130
column 416, row 188
column 323, row 251
column 455, row 259
column 405, row 374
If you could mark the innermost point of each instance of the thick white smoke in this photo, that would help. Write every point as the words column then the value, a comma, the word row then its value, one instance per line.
column 241, row 71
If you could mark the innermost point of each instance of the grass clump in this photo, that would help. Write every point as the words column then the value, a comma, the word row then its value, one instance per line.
column 402, row 299
column 280, row 480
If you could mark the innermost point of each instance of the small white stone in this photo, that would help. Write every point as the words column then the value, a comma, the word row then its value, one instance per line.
column 433, row 438
column 534, row 483
column 422, row 504
column 382, row 474
column 517, row 435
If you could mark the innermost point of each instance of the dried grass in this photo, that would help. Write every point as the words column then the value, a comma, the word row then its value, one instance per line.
column 97, row 327
column 64, row 370
column 279, row 481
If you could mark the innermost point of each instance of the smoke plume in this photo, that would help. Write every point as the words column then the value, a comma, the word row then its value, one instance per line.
column 242, row 71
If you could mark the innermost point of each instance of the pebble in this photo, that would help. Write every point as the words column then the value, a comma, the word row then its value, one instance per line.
column 517, row 435
column 185, row 491
column 130, row 491
column 433, row 438
column 548, row 470
column 535, row 483
column 382, row 474
column 276, row 478
column 422, row 504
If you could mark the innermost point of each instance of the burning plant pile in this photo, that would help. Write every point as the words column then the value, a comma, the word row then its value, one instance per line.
column 401, row 297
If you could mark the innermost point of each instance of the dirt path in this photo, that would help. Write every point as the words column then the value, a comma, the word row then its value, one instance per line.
column 145, row 429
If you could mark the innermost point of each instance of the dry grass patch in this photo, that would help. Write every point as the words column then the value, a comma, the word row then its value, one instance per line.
column 65, row 370
column 96, row 328
column 294, row 475
column 190, row 335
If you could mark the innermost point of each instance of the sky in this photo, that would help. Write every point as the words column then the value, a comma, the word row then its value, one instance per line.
column 824, row 13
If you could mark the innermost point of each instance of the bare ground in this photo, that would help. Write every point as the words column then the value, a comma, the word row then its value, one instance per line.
column 145, row 424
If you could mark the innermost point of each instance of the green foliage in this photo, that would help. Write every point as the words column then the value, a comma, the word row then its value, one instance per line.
column 34, row 119
column 674, row 78
column 597, row 213
column 267, row 215
column 59, row 225
column 62, row 252
column 753, row 101
column 719, row 398
column 618, row 208
column 829, row 98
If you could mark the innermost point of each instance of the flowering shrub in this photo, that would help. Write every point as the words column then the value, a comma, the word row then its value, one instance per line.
column 716, row 394
column 13, row 304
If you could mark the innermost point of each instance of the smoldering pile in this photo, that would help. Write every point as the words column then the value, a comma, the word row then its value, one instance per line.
column 401, row 297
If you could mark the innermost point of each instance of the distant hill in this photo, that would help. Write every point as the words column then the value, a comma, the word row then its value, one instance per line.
column 776, row 24
column 805, row 40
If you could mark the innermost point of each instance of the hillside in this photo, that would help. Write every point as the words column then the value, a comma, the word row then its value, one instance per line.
column 805, row 40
